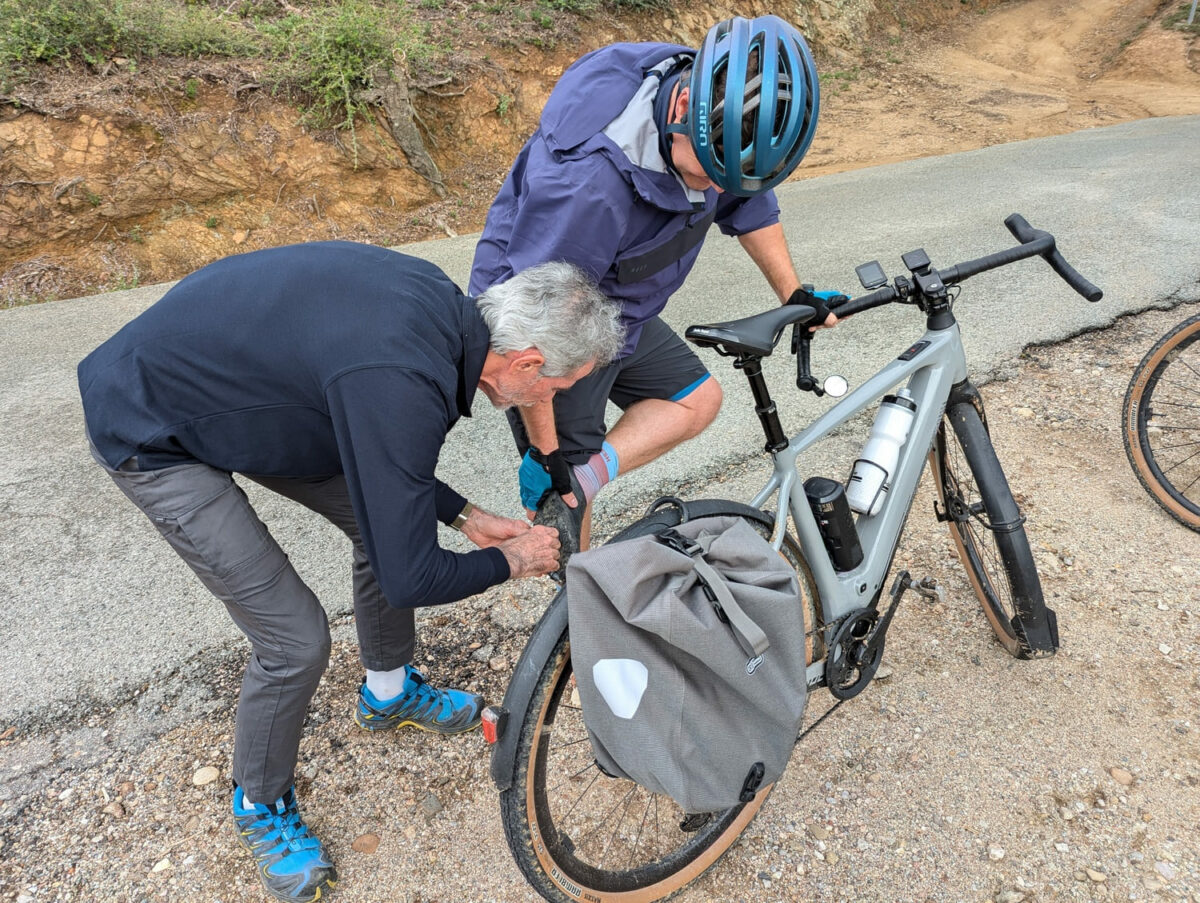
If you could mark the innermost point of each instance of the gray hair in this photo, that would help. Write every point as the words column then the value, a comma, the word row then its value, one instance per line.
column 555, row 308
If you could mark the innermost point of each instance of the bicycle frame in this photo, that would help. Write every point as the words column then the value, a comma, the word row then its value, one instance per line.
column 932, row 366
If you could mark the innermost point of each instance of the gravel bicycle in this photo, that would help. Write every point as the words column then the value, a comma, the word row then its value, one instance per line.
column 1161, row 422
column 578, row 834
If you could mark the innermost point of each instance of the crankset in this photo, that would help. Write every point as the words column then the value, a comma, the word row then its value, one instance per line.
column 857, row 646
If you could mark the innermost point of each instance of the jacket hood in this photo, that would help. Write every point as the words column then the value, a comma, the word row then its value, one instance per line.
column 596, row 88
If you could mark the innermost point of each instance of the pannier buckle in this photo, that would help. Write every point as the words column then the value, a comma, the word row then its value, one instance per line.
column 680, row 543
column 693, row 549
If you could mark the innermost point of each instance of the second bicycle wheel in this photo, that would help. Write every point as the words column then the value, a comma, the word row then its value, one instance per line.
column 1161, row 422
column 578, row 834
column 988, row 531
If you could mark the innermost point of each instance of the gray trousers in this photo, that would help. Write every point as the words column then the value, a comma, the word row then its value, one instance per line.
column 209, row 522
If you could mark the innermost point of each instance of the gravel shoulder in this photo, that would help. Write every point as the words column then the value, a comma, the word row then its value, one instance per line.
column 963, row 776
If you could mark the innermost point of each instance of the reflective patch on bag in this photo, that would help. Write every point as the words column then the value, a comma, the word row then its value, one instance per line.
column 622, row 682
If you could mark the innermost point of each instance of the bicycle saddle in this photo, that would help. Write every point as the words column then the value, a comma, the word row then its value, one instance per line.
column 756, row 335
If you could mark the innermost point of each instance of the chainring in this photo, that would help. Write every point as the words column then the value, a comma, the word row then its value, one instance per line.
column 851, row 662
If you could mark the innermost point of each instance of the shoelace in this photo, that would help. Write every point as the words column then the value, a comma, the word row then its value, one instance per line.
column 423, row 692
column 287, row 827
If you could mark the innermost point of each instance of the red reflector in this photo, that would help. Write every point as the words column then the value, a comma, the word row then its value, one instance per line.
column 493, row 723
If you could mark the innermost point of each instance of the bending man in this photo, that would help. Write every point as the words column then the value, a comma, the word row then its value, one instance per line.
column 330, row 373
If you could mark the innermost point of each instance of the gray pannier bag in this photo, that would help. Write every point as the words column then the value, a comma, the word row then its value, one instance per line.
column 689, row 652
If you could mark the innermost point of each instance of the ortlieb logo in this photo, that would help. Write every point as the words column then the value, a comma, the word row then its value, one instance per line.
column 752, row 665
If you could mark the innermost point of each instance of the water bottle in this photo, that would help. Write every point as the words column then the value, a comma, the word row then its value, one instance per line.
column 872, row 474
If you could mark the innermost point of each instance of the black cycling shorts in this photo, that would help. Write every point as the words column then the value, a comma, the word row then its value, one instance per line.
column 662, row 366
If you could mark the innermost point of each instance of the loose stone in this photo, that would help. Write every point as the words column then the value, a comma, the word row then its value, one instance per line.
column 365, row 843
column 205, row 776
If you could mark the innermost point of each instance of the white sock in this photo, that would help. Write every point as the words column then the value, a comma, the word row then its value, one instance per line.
column 385, row 685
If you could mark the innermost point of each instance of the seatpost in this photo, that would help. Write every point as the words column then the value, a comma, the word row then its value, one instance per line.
column 764, row 407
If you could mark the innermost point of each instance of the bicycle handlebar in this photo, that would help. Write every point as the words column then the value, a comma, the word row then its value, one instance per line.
column 1034, row 242
column 1025, row 233
column 877, row 298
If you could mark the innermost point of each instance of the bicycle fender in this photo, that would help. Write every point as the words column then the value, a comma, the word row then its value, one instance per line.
column 966, row 393
column 520, row 688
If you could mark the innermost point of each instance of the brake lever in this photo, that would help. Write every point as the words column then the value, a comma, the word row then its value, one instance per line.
column 801, row 347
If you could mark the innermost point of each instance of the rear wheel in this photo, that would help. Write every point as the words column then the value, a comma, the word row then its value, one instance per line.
column 1161, row 422
column 577, row 833
column 989, row 532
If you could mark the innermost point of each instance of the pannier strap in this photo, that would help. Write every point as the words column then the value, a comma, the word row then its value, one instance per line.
column 749, row 635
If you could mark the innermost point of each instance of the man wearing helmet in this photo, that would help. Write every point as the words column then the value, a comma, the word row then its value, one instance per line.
column 632, row 162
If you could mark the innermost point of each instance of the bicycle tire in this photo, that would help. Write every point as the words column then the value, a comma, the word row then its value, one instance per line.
column 1161, row 422
column 988, row 531
column 560, row 850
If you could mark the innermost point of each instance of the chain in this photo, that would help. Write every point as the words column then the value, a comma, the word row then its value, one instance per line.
column 833, row 708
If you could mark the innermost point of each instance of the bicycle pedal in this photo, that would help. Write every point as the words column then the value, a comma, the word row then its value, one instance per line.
column 694, row 822
column 929, row 589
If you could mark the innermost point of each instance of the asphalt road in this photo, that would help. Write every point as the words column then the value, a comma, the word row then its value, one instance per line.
column 94, row 607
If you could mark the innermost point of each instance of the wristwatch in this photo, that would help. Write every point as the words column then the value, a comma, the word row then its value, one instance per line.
column 460, row 519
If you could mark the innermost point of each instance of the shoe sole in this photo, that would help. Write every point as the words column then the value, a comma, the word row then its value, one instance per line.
column 431, row 730
column 326, row 885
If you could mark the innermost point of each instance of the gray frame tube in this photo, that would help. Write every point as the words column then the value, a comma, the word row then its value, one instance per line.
column 930, row 374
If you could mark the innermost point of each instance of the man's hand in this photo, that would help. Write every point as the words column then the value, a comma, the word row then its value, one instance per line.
column 532, row 553
column 820, row 301
column 486, row 529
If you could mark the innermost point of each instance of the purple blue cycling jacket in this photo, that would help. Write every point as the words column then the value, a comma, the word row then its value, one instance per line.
column 591, row 187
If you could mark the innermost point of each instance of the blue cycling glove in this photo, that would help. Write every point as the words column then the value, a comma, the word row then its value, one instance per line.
column 540, row 473
column 535, row 481
column 823, row 302
column 828, row 296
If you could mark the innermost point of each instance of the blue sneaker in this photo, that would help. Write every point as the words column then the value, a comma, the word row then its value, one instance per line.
column 291, row 862
column 419, row 705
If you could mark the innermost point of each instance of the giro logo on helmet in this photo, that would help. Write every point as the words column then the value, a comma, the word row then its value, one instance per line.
column 702, row 124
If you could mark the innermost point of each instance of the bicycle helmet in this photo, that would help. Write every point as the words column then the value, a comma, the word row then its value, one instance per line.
column 753, row 103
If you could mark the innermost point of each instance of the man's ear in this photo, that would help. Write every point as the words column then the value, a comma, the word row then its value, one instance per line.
column 681, row 103
column 528, row 360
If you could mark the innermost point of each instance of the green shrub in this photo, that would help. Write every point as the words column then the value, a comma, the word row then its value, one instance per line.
column 639, row 4
column 92, row 31
column 335, row 52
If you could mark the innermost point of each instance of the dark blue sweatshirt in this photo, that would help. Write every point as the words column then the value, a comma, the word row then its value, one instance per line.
column 310, row 360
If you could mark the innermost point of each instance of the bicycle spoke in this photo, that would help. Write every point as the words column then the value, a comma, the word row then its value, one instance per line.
column 623, row 805
column 571, row 777
column 1163, row 403
column 568, row 743
column 641, row 828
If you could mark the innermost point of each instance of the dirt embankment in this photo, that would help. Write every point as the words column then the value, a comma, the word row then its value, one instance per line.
column 110, row 179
